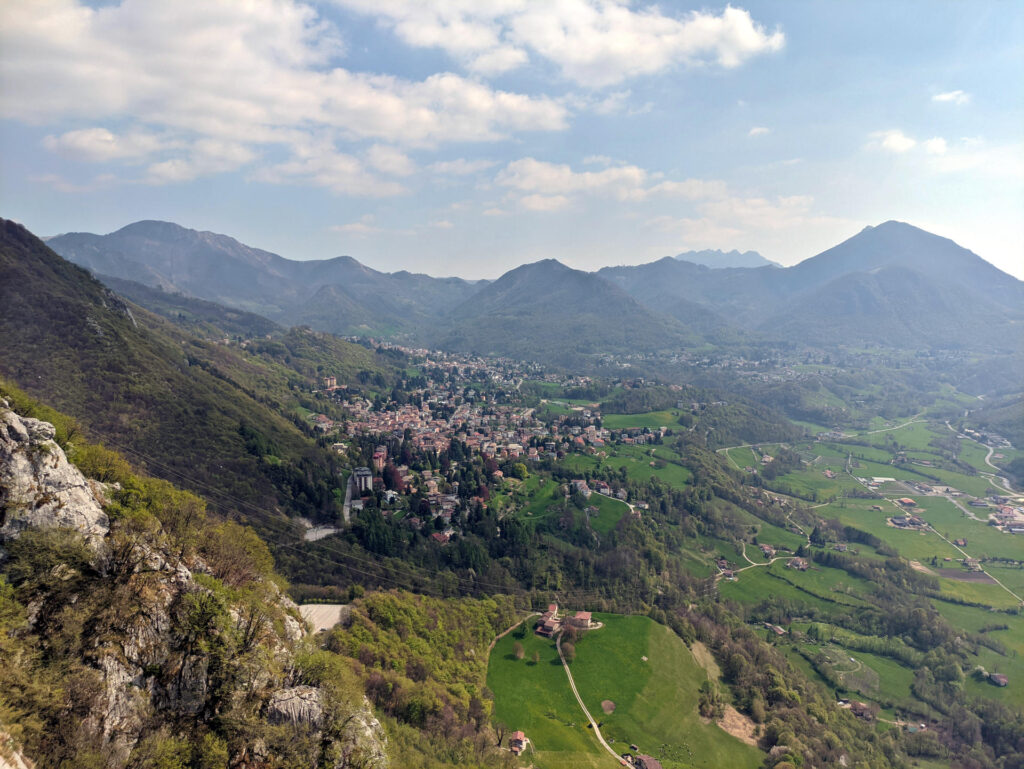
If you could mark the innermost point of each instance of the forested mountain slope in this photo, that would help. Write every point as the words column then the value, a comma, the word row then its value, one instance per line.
column 218, row 415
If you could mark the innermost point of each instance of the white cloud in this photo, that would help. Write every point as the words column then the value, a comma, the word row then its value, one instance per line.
column 595, row 43
column 597, row 160
column 737, row 221
column 100, row 145
column 321, row 165
column 389, row 160
column 892, row 140
column 205, row 157
column 363, row 227
column 967, row 154
column 952, row 97
column 461, row 166
column 528, row 176
column 544, row 202
column 758, row 130
column 979, row 158
column 257, row 73
column 495, row 211
column 442, row 224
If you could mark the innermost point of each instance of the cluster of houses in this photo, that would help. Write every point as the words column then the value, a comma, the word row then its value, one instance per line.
column 550, row 623
column 912, row 522
column 1007, row 517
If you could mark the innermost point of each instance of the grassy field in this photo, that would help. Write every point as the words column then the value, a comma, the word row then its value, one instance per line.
column 655, row 700
column 667, row 418
column 637, row 462
column 611, row 512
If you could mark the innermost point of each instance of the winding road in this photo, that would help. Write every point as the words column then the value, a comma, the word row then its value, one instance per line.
column 590, row 718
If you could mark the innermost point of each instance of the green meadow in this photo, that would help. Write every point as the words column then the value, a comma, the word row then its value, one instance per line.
column 655, row 699
column 666, row 418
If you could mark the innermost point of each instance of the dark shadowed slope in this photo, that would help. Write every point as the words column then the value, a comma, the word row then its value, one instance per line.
column 221, row 416
column 549, row 311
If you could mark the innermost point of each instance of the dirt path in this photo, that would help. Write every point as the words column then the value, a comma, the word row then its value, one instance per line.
column 590, row 718
column 509, row 630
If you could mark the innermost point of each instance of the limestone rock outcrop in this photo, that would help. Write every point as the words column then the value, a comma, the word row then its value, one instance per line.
column 167, row 645
column 39, row 488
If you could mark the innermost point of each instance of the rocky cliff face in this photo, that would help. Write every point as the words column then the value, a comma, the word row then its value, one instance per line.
column 39, row 488
column 162, row 643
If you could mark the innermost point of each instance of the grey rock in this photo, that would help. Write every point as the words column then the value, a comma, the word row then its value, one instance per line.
column 39, row 488
column 297, row 705
column 363, row 744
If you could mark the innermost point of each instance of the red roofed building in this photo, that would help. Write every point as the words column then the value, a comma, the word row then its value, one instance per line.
column 517, row 742
column 581, row 620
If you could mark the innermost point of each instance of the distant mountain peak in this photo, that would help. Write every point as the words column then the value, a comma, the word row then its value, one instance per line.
column 717, row 258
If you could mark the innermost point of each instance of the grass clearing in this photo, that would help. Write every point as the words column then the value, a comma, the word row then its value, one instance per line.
column 655, row 700
column 666, row 418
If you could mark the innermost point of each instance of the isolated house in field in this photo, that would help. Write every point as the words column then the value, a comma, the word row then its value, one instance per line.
column 999, row 679
column 581, row 620
column 797, row 563
column 517, row 742
column 646, row 762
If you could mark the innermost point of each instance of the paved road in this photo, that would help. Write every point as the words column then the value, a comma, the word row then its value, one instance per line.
column 590, row 718
column 966, row 555
column 1007, row 486
column 913, row 420
column 346, row 509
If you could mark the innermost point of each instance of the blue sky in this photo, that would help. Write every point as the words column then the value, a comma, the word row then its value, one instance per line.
column 465, row 137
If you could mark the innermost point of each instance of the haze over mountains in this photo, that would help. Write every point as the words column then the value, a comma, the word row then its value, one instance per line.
column 892, row 285
column 716, row 258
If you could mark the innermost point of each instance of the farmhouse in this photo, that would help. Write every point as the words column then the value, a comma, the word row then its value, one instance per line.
column 907, row 502
column 998, row 679
column 581, row 620
column 800, row 564
column 549, row 622
column 646, row 762
column 517, row 742
column 862, row 710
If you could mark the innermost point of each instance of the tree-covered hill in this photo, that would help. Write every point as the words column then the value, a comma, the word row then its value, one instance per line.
column 221, row 416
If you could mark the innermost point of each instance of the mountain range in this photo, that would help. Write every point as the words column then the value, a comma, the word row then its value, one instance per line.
column 892, row 285
column 717, row 258
column 179, row 403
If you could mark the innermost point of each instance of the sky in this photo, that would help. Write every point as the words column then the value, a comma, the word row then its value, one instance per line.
column 466, row 137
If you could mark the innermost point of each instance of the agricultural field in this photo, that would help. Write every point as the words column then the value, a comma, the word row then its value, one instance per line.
column 666, row 418
column 610, row 512
column 652, row 702
column 637, row 462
